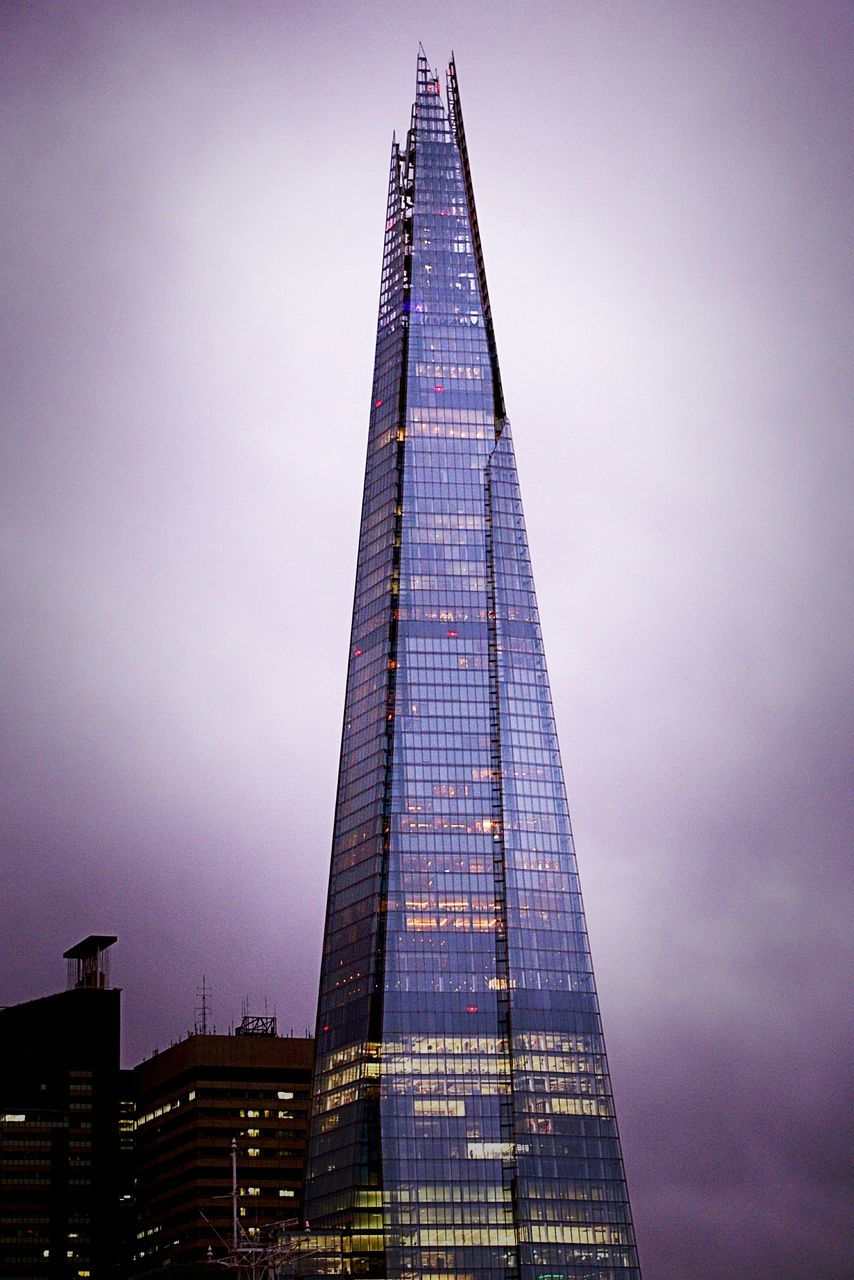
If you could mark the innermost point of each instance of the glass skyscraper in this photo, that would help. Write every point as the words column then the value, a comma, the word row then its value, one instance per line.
column 463, row 1124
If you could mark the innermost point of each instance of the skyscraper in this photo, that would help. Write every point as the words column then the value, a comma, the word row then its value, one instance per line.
column 462, row 1124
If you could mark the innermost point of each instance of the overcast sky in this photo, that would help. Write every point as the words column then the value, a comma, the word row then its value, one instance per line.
column 192, row 199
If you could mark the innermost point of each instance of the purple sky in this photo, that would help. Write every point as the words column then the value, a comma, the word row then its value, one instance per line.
column 193, row 198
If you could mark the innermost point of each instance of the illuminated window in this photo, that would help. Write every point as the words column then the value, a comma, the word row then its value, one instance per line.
column 439, row 1107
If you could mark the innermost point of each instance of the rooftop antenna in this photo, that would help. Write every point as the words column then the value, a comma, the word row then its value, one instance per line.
column 202, row 1009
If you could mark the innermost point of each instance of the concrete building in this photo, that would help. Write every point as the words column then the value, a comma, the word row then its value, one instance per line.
column 65, row 1207
column 191, row 1101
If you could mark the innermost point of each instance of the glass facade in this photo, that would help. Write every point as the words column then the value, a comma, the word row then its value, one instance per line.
column 463, row 1124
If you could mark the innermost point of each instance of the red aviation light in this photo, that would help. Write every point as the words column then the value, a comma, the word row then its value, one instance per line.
column 452, row 635
column 471, row 1008
column 377, row 404
column 438, row 387
column 357, row 653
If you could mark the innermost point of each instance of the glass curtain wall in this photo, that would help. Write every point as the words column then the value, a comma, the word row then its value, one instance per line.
column 463, row 1124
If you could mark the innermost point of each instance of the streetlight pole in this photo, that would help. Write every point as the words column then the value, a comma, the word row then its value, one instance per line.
column 234, row 1194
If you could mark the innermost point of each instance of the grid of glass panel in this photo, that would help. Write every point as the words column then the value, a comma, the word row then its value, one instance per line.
column 463, row 1123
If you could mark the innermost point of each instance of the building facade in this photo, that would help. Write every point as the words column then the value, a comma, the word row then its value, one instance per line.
column 191, row 1101
column 65, row 1203
column 463, row 1123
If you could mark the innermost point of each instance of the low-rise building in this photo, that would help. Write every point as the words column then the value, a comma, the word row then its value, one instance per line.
column 192, row 1100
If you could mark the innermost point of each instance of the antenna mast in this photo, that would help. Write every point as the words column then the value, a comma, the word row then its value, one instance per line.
column 276, row 1250
column 201, row 1012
